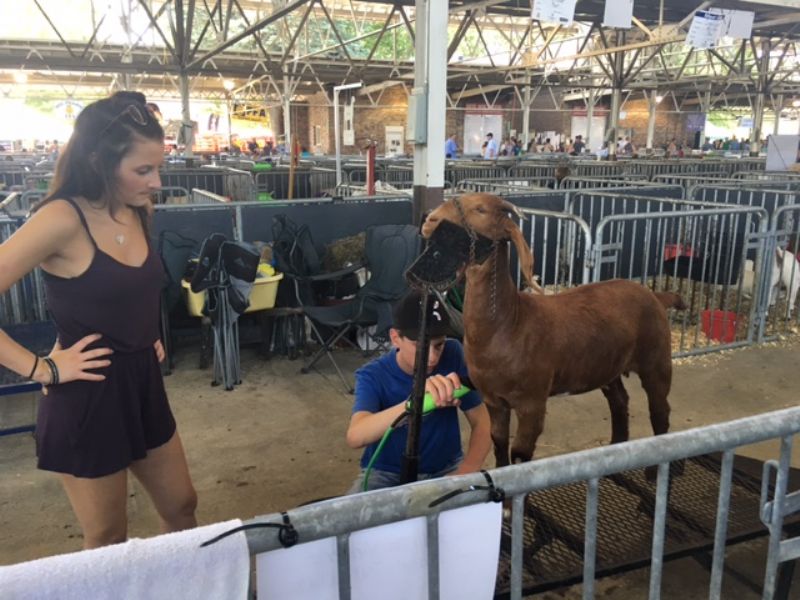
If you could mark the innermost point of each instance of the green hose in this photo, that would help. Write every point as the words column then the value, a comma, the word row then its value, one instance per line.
column 427, row 407
column 377, row 453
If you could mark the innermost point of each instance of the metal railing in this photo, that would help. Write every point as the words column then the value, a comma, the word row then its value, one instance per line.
column 781, row 292
column 699, row 254
column 340, row 517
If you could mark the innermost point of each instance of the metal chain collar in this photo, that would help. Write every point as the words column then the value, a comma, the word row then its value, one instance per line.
column 473, row 239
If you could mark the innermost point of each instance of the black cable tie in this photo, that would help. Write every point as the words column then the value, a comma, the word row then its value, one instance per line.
column 496, row 494
column 287, row 534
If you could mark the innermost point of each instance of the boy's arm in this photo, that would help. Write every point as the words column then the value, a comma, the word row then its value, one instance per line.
column 367, row 427
column 480, row 440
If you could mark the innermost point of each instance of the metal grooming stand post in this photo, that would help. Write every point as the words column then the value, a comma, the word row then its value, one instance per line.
column 410, row 466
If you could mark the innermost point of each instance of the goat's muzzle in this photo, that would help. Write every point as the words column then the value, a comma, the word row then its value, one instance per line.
column 447, row 251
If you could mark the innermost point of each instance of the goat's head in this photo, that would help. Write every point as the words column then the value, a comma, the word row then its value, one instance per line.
column 486, row 216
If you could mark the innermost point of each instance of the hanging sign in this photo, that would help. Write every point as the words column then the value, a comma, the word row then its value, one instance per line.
column 349, row 134
column 706, row 29
column 737, row 23
column 554, row 11
column 69, row 109
column 618, row 13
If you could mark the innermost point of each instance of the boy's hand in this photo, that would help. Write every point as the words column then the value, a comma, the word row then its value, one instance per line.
column 441, row 388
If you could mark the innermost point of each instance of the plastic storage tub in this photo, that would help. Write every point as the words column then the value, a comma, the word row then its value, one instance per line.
column 262, row 296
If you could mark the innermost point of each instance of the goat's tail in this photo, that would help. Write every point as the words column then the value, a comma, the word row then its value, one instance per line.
column 671, row 300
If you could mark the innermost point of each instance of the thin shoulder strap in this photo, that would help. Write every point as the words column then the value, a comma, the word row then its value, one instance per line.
column 82, row 218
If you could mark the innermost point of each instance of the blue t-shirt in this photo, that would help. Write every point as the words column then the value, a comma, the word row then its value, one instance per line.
column 382, row 384
column 450, row 148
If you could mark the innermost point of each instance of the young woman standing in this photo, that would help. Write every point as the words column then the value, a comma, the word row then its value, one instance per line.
column 105, row 411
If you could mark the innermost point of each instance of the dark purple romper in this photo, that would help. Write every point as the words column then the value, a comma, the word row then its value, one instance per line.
column 96, row 428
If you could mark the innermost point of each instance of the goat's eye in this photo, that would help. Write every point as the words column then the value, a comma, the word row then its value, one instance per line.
column 480, row 209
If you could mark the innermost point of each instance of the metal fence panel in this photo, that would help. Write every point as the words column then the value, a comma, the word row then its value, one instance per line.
column 274, row 184
column 699, row 254
column 520, row 556
column 327, row 219
column 782, row 273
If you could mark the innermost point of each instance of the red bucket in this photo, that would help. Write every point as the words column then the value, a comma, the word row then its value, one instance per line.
column 674, row 250
column 719, row 325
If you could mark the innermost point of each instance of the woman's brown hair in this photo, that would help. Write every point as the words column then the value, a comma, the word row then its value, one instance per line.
column 105, row 131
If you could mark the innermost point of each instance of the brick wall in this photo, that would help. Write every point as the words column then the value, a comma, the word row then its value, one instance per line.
column 370, row 121
column 320, row 115
column 546, row 116
column 668, row 124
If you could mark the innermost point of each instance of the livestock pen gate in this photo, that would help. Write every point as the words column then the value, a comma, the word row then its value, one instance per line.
column 580, row 516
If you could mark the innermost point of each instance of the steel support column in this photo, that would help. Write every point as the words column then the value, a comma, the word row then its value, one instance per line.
column 652, row 104
column 590, row 117
column 526, row 116
column 430, row 91
column 762, row 89
column 287, row 115
column 706, row 106
column 778, row 106
column 186, row 118
column 616, row 98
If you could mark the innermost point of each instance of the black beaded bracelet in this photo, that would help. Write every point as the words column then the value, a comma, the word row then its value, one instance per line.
column 35, row 364
column 53, row 370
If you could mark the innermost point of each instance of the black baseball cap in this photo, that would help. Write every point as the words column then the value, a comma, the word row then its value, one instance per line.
column 406, row 316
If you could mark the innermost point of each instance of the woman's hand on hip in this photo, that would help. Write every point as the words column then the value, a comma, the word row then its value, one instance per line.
column 76, row 362
column 159, row 348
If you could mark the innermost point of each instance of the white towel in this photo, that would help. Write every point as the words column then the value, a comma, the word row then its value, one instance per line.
column 171, row 566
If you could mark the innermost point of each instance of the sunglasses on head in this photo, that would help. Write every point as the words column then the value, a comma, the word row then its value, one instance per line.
column 139, row 115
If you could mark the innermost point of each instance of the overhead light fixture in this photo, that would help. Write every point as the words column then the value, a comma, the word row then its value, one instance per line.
column 659, row 98
column 228, row 84
column 20, row 77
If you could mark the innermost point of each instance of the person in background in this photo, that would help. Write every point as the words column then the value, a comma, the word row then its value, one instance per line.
column 105, row 411
column 628, row 148
column 384, row 385
column 547, row 146
column 490, row 152
column 672, row 148
column 578, row 146
column 252, row 147
column 450, row 147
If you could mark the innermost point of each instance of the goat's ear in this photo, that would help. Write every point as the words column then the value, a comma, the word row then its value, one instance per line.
column 506, row 206
column 524, row 254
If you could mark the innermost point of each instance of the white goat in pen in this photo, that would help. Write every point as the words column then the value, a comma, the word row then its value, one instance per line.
column 785, row 274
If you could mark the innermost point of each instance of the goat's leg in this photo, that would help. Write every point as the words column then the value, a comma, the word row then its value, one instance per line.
column 618, row 403
column 530, row 423
column 500, row 417
column 656, row 383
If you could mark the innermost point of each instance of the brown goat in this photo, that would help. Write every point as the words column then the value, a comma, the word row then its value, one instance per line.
column 523, row 348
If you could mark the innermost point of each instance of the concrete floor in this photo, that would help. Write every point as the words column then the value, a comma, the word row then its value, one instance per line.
column 277, row 441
